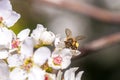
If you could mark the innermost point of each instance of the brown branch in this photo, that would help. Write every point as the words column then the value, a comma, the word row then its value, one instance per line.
column 99, row 44
column 84, row 8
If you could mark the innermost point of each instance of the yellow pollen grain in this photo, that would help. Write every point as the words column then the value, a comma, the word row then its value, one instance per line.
column 77, row 44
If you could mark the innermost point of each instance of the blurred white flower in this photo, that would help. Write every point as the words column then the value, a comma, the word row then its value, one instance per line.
column 42, row 36
column 60, row 59
column 8, row 17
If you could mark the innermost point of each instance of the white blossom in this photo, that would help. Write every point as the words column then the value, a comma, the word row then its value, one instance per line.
column 41, row 36
column 60, row 59
column 8, row 17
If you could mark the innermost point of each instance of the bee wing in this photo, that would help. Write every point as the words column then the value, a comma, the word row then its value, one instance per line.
column 80, row 37
column 68, row 32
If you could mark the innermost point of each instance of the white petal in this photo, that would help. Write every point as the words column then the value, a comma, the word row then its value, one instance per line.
column 5, row 8
column 14, row 60
column 59, row 75
column 23, row 34
column 79, row 75
column 9, row 16
column 66, row 62
column 5, row 4
column 75, row 52
column 41, row 55
column 36, row 33
column 12, row 18
column 58, row 42
column 70, row 74
column 66, row 52
column 4, row 54
column 18, row 74
column 4, row 72
column 40, row 27
column 27, row 48
column 62, row 52
column 36, row 73
column 6, row 37
column 47, row 37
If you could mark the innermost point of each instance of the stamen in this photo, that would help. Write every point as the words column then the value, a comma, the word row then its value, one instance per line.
column 28, row 63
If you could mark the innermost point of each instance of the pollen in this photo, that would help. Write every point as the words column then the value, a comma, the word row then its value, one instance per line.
column 77, row 44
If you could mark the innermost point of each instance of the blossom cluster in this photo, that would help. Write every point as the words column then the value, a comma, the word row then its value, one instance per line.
column 29, row 54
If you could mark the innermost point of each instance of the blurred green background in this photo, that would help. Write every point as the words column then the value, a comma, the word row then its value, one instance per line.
column 101, row 65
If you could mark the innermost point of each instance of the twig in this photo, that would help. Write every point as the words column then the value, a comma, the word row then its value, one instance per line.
column 84, row 8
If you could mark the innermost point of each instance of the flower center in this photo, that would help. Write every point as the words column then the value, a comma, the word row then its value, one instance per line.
column 28, row 63
column 57, row 60
column 15, row 43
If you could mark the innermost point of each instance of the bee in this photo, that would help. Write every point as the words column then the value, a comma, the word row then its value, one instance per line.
column 72, row 42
